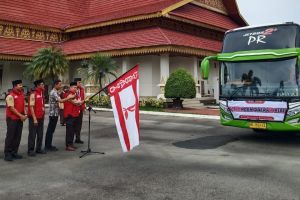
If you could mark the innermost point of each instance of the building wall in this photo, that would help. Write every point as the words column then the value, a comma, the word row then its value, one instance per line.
column 212, row 84
column 149, row 73
column 13, row 70
column 74, row 65
column 182, row 62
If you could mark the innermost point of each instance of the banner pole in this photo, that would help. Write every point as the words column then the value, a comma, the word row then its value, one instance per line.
column 88, row 151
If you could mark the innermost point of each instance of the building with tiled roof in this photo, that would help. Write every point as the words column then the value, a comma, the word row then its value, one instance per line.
column 160, row 35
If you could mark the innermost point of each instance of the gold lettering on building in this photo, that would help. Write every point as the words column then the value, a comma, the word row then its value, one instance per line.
column 32, row 33
column 39, row 35
column 9, row 31
column 54, row 37
column 18, row 31
column 47, row 36
column 25, row 33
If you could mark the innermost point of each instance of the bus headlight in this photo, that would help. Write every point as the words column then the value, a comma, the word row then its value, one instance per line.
column 225, row 111
column 294, row 109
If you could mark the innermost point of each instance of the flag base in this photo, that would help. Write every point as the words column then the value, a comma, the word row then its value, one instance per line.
column 89, row 151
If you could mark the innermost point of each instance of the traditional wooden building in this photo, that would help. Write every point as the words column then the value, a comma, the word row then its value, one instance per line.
column 160, row 35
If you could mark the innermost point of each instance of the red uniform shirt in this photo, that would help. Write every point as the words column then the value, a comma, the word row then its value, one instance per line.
column 16, row 99
column 38, row 103
column 69, row 108
column 81, row 93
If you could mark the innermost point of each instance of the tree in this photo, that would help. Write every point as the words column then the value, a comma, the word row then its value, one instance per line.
column 98, row 69
column 180, row 84
column 48, row 63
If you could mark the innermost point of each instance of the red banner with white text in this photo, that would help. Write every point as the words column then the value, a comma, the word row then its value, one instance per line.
column 124, row 96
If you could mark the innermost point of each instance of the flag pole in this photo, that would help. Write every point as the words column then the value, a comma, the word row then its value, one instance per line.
column 89, row 151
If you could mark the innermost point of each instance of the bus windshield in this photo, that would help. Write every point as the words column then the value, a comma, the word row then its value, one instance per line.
column 267, row 79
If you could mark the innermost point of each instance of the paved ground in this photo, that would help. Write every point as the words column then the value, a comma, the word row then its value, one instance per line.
column 199, row 111
column 179, row 158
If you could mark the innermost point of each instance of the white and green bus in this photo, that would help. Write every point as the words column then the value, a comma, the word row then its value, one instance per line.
column 259, row 77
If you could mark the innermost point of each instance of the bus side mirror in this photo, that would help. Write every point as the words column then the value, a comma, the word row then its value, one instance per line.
column 205, row 65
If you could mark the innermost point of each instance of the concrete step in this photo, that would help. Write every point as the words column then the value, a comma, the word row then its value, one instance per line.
column 196, row 107
column 192, row 103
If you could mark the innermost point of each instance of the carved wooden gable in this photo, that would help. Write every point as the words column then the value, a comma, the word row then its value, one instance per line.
column 216, row 5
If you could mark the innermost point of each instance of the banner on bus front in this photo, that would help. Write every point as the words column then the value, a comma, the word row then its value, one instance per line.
column 258, row 110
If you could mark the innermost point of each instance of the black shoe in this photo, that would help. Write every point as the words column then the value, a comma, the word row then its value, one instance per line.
column 63, row 124
column 79, row 141
column 16, row 156
column 53, row 148
column 40, row 152
column 8, row 157
column 31, row 154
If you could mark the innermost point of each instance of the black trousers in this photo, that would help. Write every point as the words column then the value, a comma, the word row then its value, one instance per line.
column 13, row 136
column 35, row 134
column 50, row 131
column 71, row 122
column 78, row 126
column 61, row 116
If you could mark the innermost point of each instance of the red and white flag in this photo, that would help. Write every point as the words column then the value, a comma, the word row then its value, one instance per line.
column 124, row 96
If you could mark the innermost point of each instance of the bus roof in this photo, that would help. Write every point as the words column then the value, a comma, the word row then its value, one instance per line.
column 274, row 36
column 260, row 26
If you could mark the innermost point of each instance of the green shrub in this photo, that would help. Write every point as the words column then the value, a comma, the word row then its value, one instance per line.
column 102, row 101
column 180, row 84
column 152, row 102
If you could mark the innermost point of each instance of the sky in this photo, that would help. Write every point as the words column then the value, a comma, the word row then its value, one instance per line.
column 269, row 11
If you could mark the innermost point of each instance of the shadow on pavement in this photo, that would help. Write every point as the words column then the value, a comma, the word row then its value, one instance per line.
column 269, row 138
column 275, row 138
column 209, row 142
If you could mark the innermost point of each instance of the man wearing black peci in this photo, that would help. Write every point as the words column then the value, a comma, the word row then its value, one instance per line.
column 36, row 114
column 15, row 116
column 71, row 114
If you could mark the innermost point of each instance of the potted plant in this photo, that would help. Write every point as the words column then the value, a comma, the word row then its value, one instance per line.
column 179, row 85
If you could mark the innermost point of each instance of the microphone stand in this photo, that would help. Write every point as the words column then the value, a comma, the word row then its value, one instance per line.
column 89, row 151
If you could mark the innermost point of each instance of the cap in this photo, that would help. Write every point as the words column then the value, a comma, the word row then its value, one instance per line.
column 16, row 82
column 37, row 82
column 73, row 83
column 77, row 79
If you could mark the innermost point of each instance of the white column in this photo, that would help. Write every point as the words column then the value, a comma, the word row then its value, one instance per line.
column 164, row 73
column 195, row 65
column 196, row 76
column 125, row 64
column 164, row 68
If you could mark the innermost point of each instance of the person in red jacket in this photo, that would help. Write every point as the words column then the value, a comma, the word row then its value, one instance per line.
column 15, row 116
column 81, row 94
column 71, row 114
column 36, row 113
